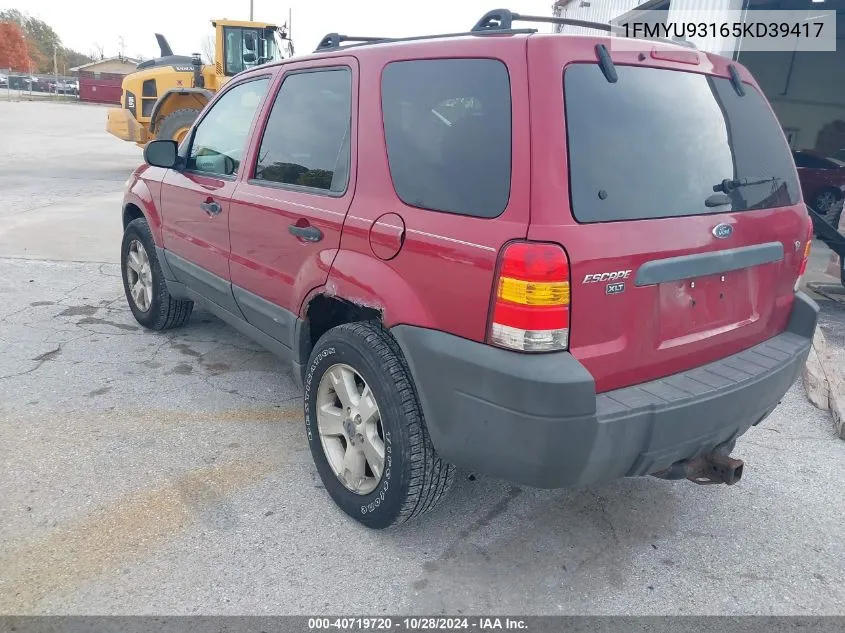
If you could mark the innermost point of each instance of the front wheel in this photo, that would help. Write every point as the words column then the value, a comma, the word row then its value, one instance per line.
column 366, row 430
column 176, row 125
column 144, row 284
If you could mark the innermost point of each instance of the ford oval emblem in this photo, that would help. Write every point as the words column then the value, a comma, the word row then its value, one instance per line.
column 722, row 231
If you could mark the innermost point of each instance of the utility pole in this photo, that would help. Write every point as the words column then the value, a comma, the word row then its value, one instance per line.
column 56, row 68
column 122, row 46
column 250, row 10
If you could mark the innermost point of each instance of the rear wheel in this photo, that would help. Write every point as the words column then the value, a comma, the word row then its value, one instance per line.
column 366, row 430
column 827, row 204
column 175, row 126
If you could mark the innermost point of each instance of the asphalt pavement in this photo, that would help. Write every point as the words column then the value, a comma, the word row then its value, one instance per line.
column 145, row 473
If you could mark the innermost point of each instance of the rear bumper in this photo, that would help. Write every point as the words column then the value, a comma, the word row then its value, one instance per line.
column 536, row 420
column 123, row 125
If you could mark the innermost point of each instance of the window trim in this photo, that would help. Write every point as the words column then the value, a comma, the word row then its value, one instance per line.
column 186, row 154
column 260, row 182
column 387, row 151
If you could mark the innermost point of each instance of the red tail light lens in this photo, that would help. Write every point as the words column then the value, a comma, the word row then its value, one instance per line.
column 531, row 298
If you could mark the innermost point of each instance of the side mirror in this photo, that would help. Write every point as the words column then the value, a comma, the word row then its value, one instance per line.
column 162, row 153
column 249, row 58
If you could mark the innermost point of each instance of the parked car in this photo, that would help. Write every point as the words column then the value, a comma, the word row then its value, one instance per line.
column 822, row 183
column 4, row 81
column 551, row 291
column 66, row 87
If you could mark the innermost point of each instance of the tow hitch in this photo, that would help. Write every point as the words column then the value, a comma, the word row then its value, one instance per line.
column 711, row 468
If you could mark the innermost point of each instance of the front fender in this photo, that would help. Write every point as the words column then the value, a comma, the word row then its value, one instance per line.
column 144, row 193
column 173, row 92
column 372, row 283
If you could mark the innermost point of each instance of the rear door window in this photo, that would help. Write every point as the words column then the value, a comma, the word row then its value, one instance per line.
column 447, row 125
column 656, row 142
column 307, row 139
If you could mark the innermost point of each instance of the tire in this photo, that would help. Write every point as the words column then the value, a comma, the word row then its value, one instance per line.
column 177, row 120
column 825, row 203
column 163, row 312
column 413, row 479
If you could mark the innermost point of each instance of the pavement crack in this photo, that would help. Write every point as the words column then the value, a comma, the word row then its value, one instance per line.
column 601, row 501
column 39, row 360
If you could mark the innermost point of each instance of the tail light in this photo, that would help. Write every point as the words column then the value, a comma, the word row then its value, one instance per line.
column 530, row 311
column 805, row 256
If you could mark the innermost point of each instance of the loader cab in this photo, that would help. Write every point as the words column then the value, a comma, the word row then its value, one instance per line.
column 244, row 47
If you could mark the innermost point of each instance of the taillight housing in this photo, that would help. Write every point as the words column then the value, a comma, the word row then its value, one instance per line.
column 805, row 255
column 531, row 298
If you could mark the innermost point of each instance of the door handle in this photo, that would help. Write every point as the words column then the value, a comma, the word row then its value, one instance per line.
column 307, row 233
column 211, row 208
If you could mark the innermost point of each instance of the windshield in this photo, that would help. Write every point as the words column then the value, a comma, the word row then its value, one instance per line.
column 656, row 142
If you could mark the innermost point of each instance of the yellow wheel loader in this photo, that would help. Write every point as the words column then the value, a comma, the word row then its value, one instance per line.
column 164, row 96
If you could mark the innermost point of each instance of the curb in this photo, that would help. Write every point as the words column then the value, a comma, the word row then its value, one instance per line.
column 824, row 382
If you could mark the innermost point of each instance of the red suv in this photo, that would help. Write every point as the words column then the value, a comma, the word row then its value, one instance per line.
column 535, row 256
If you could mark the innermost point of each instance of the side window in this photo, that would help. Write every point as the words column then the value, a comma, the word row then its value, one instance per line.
column 240, row 48
column 307, row 139
column 447, row 125
column 220, row 138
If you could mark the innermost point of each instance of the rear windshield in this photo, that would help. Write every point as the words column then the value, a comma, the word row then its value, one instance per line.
column 656, row 142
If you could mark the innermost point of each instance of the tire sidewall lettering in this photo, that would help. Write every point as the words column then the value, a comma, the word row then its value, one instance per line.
column 329, row 351
column 384, row 484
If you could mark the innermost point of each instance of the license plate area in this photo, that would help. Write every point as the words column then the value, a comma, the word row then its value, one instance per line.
column 693, row 309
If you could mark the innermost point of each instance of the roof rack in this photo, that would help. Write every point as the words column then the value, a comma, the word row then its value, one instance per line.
column 497, row 22
column 503, row 19
column 332, row 41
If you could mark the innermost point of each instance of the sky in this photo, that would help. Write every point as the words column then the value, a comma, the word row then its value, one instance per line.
column 84, row 24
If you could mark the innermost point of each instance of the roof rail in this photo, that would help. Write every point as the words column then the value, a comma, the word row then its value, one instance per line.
column 332, row 41
column 503, row 19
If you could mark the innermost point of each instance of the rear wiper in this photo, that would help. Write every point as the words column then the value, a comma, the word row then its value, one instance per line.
column 727, row 185
column 717, row 200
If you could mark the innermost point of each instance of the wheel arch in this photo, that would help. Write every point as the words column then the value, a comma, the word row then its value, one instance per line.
column 358, row 288
column 138, row 203
column 178, row 99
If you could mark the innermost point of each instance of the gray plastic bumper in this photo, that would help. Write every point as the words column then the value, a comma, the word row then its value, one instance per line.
column 536, row 419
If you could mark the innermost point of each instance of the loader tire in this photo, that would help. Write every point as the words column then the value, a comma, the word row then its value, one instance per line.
column 175, row 126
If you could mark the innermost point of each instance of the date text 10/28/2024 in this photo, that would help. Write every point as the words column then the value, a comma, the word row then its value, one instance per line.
column 481, row 624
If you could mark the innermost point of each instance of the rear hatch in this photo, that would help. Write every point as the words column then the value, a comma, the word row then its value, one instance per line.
column 667, row 274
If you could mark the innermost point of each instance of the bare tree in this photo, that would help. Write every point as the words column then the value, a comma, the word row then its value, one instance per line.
column 98, row 51
column 208, row 46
